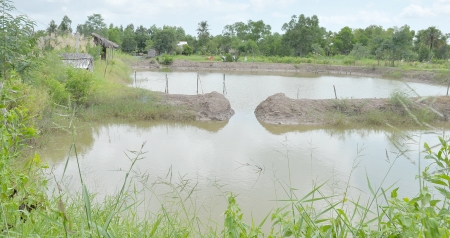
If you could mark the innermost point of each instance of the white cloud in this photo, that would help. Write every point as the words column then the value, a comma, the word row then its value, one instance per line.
column 260, row 5
column 367, row 17
column 416, row 10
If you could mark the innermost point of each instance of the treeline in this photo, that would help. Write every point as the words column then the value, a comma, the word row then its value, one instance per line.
column 303, row 36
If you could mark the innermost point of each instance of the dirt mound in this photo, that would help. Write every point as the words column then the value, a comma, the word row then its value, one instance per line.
column 279, row 109
column 210, row 106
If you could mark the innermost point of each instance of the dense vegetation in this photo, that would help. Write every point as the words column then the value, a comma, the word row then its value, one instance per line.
column 303, row 36
column 39, row 94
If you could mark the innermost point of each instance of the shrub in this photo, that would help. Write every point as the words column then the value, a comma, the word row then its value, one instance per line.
column 229, row 58
column 166, row 59
column 57, row 91
column 79, row 84
column 187, row 50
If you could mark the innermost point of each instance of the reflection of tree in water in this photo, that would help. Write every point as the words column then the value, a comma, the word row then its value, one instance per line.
column 56, row 145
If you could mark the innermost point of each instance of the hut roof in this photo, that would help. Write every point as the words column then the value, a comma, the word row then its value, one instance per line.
column 81, row 61
column 99, row 40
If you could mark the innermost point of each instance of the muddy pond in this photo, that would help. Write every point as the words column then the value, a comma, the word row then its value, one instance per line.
column 255, row 161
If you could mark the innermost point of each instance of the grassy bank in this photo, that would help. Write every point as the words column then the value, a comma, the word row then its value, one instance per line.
column 332, row 60
column 113, row 98
column 397, row 110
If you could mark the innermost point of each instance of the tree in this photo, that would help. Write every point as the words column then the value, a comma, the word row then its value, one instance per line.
column 359, row 51
column 65, row 26
column 434, row 40
column 128, row 44
column 165, row 40
column 302, row 32
column 344, row 40
column 399, row 44
column 51, row 29
column 18, row 40
column 203, row 32
column 141, row 37
column 115, row 34
column 94, row 24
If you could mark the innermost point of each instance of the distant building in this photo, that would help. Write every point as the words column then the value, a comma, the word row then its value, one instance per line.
column 79, row 61
column 151, row 53
column 181, row 43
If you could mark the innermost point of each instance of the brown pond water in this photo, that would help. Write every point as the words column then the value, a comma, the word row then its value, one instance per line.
column 250, row 159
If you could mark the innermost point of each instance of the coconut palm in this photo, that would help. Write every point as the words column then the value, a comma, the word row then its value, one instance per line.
column 432, row 37
column 203, row 32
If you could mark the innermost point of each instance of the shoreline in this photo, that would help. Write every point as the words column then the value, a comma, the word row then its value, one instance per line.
column 417, row 76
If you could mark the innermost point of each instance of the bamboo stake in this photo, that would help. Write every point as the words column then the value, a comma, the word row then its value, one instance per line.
column 335, row 95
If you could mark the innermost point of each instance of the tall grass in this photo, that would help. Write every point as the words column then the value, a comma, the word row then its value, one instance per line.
column 27, row 211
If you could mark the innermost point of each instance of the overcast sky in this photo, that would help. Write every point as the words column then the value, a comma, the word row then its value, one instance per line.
column 333, row 15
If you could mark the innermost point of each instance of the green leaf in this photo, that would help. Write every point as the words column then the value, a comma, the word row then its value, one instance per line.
column 394, row 193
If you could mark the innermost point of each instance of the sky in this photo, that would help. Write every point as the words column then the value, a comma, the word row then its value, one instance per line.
column 333, row 15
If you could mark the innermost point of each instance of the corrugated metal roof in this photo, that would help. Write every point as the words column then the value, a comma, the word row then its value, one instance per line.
column 79, row 61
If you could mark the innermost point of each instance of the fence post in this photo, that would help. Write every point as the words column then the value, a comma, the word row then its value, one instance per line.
column 335, row 95
column 167, row 85
column 224, row 86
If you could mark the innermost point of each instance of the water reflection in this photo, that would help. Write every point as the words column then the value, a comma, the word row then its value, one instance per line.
column 252, row 159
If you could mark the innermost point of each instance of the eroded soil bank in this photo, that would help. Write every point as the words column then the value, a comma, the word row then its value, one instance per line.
column 279, row 109
column 205, row 107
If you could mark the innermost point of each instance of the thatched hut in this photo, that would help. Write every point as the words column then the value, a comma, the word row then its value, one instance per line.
column 104, row 43
column 79, row 61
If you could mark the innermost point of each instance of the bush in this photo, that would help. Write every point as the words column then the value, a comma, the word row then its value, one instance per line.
column 187, row 50
column 166, row 59
column 229, row 58
column 79, row 84
column 57, row 91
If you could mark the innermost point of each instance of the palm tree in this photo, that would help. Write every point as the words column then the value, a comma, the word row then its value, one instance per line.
column 432, row 37
column 203, row 31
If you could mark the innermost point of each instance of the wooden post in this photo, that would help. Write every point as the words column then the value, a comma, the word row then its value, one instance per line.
column 448, row 86
column 135, row 79
column 335, row 95
column 224, row 86
column 167, row 85
column 197, row 83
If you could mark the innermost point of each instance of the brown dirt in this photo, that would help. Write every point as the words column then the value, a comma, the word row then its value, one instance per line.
column 210, row 106
column 279, row 109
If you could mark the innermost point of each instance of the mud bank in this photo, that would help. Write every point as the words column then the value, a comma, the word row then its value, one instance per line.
column 279, row 109
column 206, row 107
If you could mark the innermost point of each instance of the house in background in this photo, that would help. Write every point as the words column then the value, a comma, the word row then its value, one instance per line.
column 79, row 61
column 181, row 43
column 105, row 44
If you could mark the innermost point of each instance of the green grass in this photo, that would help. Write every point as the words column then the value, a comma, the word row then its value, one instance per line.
column 113, row 98
column 333, row 60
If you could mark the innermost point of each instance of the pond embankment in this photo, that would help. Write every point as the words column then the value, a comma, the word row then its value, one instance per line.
column 210, row 106
column 407, row 75
column 279, row 109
